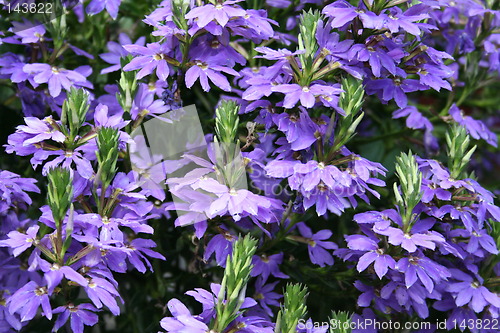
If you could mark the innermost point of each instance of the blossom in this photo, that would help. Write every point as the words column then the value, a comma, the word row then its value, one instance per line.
column 80, row 315
column 476, row 128
column 299, row 129
column 40, row 130
column 222, row 13
column 203, row 71
column 182, row 320
column 13, row 190
column 318, row 245
column 394, row 88
column 235, row 202
column 221, row 245
column 152, row 56
column 117, row 51
column 467, row 290
column 342, row 13
column 58, row 78
column 54, row 274
column 145, row 103
column 265, row 295
column 306, row 94
column 418, row 267
column 97, row 6
column 102, row 292
column 397, row 19
column 375, row 254
column 20, row 242
column 27, row 299
column 410, row 240
column 264, row 266
column 29, row 32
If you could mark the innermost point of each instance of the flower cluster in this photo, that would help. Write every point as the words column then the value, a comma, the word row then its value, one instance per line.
column 224, row 166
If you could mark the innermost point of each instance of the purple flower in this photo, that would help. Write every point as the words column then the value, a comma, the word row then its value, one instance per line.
column 117, row 51
column 102, row 292
column 54, row 274
column 203, row 71
column 97, row 6
column 394, row 88
column 137, row 248
column 471, row 292
column 221, row 245
column 29, row 32
column 377, row 57
column 382, row 262
column 307, row 94
column 418, row 267
column 20, row 242
column 28, row 299
column 13, row 190
column 264, row 266
column 58, row 78
column 397, row 20
column 299, row 130
column 476, row 128
column 208, row 300
column 182, row 320
column 145, row 103
column 151, row 57
column 317, row 245
column 80, row 315
column 66, row 160
column 237, row 203
column 410, row 240
column 40, row 130
column 342, row 13
column 265, row 295
column 222, row 13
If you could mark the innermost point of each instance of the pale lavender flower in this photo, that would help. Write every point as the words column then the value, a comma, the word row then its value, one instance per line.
column 20, row 242
column 203, row 71
column 222, row 13
column 151, row 57
column 182, row 320
column 58, row 78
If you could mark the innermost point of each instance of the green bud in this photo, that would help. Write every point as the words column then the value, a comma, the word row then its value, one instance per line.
column 351, row 101
column 410, row 179
column 293, row 309
column 341, row 322
column 60, row 193
column 307, row 37
column 107, row 154
column 127, row 86
column 74, row 110
column 227, row 121
column 179, row 11
column 458, row 142
column 234, row 283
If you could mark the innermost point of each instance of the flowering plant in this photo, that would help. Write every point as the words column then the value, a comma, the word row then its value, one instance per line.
column 254, row 166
